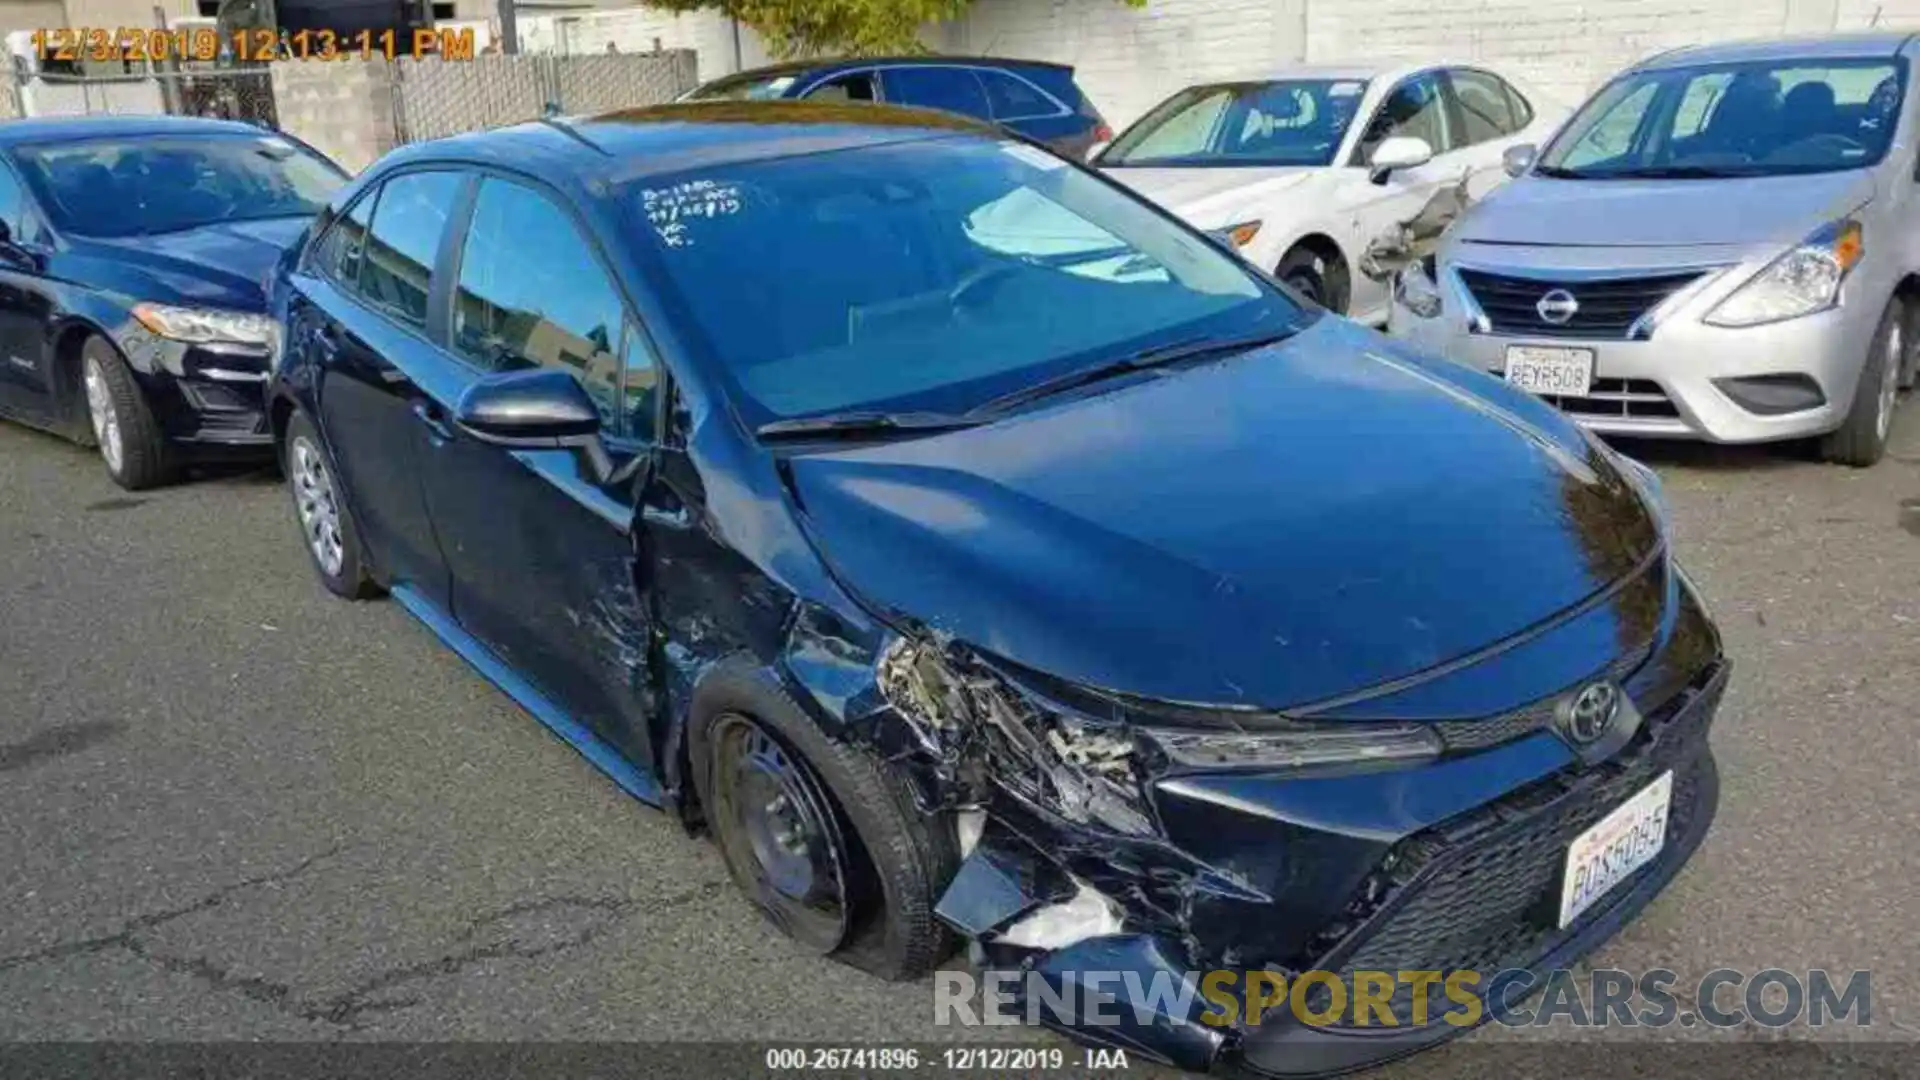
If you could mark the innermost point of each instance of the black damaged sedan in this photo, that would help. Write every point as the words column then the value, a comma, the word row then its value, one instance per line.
column 135, row 253
column 980, row 555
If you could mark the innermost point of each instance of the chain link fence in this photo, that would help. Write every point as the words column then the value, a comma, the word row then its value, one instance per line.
column 357, row 110
column 434, row 98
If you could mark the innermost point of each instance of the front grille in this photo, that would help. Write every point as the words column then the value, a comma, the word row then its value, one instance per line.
column 1467, row 735
column 1608, row 307
column 1630, row 398
column 1481, row 893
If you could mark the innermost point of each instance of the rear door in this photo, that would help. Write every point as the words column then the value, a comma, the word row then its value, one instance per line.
column 936, row 86
column 1024, row 106
column 540, row 550
column 366, row 320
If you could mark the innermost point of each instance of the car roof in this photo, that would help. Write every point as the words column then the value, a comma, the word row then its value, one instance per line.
column 664, row 139
column 50, row 128
column 1863, row 46
column 826, row 66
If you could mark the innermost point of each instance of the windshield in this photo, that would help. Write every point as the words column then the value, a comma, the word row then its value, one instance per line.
column 742, row 88
column 1749, row 119
column 1294, row 122
column 935, row 275
column 139, row 186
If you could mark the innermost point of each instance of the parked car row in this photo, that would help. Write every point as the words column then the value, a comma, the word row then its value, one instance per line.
column 976, row 549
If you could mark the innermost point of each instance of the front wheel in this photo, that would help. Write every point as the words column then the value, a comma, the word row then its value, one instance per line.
column 1316, row 277
column 325, row 524
column 1862, row 439
column 123, row 428
column 819, row 834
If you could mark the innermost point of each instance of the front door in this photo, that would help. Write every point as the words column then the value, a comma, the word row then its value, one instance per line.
column 26, row 310
column 539, row 548
column 371, row 334
column 1416, row 108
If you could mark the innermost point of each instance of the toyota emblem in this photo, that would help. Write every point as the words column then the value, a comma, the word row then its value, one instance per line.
column 1557, row 307
column 1591, row 712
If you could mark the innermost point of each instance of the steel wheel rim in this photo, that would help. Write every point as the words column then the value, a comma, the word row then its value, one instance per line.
column 780, row 833
column 319, row 510
column 1889, row 382
column 105, row 419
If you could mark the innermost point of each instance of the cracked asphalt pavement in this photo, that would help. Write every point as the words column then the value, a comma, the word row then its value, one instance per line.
column 232, row 808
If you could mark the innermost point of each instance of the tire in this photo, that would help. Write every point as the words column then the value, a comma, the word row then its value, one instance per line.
column 1861, row 439
column 120, row 425
column 897, row 859
column 326, row 524
column 1312, row 274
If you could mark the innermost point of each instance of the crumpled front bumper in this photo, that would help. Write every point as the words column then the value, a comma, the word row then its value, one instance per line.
column 1469, row 892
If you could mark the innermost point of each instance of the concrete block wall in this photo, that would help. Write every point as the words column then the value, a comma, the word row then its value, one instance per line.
column 1129, row 58
column 345, row 110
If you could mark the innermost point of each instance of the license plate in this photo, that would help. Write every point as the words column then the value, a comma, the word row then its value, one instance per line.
column 1607, row 854
column 1546, row 370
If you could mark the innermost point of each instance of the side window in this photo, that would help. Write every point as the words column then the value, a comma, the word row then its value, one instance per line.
column 1486, row 113
column 1010, row 98
column 1522, row 108
column 950, row 88
column 1416, row 109
column 11, row 201
column 397, row 267
column 853, row 86
column 338, row 256
column 545, row 304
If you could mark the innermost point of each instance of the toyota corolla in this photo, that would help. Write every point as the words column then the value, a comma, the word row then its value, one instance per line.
column 1101, row 606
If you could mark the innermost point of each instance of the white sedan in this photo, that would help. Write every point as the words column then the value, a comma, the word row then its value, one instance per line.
column 1304, row 170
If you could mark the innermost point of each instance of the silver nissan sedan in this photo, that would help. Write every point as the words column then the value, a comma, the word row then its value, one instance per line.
column 1722, row 244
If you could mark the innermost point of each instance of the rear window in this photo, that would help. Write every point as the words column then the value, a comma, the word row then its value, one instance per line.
column 747, row 87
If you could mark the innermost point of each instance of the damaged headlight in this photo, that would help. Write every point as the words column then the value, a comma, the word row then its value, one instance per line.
column 1301, row 746
column 1417, row 290
column 983, row 730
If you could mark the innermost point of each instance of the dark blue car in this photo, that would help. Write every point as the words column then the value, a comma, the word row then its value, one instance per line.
column 135, row 254
column 974, row 551
column 1034, row 98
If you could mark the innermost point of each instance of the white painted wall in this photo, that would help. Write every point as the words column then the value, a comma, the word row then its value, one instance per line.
column 639, row 30
column 1128, row 59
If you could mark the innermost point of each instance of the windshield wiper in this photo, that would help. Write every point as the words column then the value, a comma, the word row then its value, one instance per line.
column 1157, row 356
column 862, row 422
column 1665, row 172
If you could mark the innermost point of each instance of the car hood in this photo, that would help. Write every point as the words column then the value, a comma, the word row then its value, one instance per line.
column 1662, row 213
column 227, row 264
column 1198, row 194
column 1300, row 522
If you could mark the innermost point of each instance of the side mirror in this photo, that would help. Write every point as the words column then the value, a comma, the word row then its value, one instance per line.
column 1396, row 153
column 541, row 408
column 538, row 409
column 1518, row 159
column 1094, row 151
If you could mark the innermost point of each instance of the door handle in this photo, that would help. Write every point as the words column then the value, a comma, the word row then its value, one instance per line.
column 429, row 416
column 327, row 339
